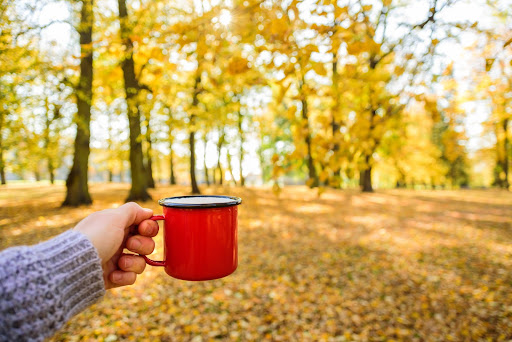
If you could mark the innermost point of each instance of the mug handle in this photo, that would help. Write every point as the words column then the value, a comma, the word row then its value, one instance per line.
column 148, row 260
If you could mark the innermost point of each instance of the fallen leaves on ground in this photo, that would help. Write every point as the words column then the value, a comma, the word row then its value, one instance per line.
column 388, row 266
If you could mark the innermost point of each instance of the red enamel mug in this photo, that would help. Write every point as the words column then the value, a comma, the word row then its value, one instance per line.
column 200, row 236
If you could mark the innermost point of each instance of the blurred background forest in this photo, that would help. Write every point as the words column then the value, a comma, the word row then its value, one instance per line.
column 340, row 94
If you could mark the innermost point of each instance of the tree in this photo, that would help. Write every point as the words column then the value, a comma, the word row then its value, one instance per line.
column 149, row 151
column 77, row 189
column 499, row 95
column 220, row 142
column 2, row 163
column 287, row 36
column 51, row 143
column 241, row 153
column 10, row 55
column 383, row 59
column 10, row 127
column 132, row 87
column 192, row 130
column 408, row 152
column 172, row 176
column 205, row 167
column 498, row 90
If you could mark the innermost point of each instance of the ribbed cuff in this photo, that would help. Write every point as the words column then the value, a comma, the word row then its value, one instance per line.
column 76, row 268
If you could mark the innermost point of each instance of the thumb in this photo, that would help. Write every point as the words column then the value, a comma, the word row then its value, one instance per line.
column 134, row 213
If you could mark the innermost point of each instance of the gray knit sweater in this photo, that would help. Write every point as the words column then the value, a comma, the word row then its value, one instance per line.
column 43, row 286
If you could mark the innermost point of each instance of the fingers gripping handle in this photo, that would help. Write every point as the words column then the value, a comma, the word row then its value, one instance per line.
column 149, row 261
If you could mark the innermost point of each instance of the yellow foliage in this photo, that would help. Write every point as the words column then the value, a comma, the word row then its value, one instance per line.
column 319, row 69
column 237, row 65
column 291, row 112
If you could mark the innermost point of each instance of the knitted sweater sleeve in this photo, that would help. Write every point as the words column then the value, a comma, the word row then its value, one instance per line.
column 43, row 286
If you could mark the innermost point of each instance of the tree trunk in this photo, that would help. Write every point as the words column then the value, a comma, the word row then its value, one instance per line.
column 365, row 179
column 132, row 87
column 241, row 133
column 149, row 154
column 312, row 176
column 206, row 175
column 37, row 175
column 261, row 159
column 51, row 170
column 335, row 126
column 219, row 150
column 191, row 139
column 219, row 169
column 158, row 170
column 77, row 181
column 49, row 157
column 121, row 171
column 505, row 163
column 230, row 167
column 3, row 181
column 193, row 182
column 110, row 154
column 214, row 178
column 400, row 182
column 502, row 148
column 172, row 179
column 138, row 190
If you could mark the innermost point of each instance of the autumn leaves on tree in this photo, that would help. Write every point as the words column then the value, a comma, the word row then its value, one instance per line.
column 77, row 182
column 329, row 92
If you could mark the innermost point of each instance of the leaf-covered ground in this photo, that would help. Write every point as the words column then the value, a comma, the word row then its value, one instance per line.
column 389, row 266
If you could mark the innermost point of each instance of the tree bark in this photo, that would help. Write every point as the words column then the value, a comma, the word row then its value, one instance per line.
column 51, row 171
column 3, row 180
column 191, row 139
column 312, row 176
column 172, row 178
column 365, row 179
column 335, row 126
column 206, row 175
column 77, row 190
column 241, row 133
column 214, row 177
column 219, row 150
column 502, row 147
column 193, row 182
column 400, row 182
column 110, row 154
column 230, row 167
column 149, row 156
column 121, row 171
column 49, row 157
column 506, row 148
column 138, row 190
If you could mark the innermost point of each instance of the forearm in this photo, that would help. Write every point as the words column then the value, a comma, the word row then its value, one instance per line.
column 42, row 286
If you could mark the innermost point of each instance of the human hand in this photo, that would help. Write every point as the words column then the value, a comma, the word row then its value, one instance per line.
column 112, row 230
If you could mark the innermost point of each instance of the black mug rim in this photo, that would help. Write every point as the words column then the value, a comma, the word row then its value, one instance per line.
column 235, row 201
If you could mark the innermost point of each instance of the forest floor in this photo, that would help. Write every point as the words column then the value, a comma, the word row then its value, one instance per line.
column 395, row 265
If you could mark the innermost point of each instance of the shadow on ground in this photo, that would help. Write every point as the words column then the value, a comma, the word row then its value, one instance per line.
column 392, row 265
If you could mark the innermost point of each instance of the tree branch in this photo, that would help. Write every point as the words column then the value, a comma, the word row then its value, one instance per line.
column 40, row 28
